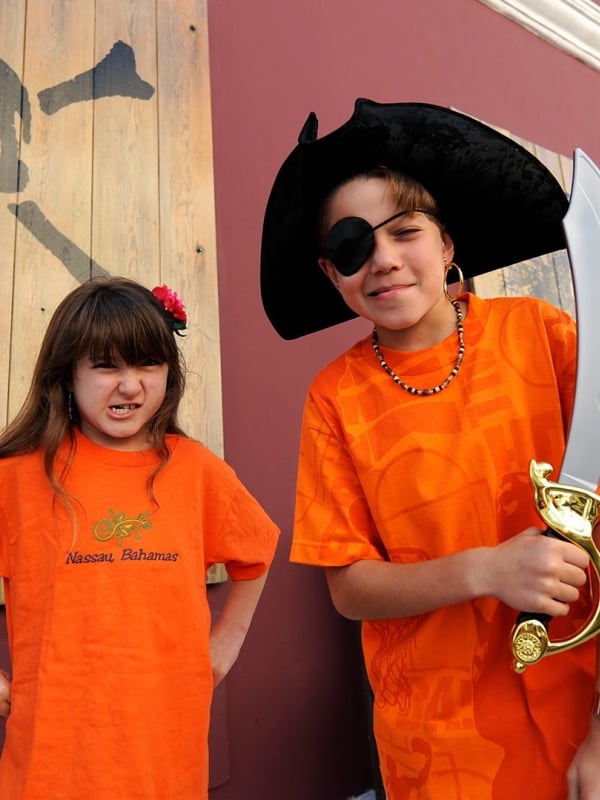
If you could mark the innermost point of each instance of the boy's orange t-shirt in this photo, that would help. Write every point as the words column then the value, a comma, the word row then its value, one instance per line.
column 386, row 475
column 109, row 622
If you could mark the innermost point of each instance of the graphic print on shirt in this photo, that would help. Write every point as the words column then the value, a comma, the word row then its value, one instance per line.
column 115, row 527
column 119, row 526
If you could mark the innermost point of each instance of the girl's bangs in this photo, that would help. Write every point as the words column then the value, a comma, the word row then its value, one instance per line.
column 137, row 336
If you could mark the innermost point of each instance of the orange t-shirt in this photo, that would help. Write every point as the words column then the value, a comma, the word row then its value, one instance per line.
column 109, row 621
column 391, row 476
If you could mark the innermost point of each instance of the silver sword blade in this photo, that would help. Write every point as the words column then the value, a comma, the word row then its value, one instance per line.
column 581, row 462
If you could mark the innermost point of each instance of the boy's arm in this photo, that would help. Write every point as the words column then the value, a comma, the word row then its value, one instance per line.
column 229, row 631
column 528, row 572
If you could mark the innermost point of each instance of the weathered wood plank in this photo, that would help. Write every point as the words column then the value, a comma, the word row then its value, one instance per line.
column 54, row 208
column 188, row 246
column 15, row 124
column 125, row 232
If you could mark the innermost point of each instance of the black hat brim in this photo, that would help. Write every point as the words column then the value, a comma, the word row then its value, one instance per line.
column 499, row 203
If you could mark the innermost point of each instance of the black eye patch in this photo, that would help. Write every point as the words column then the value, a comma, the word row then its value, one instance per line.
column 351, row 240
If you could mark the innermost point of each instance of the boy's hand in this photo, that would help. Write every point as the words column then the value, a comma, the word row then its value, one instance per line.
column 536, row 573
column 583, row 777
column 4, row 693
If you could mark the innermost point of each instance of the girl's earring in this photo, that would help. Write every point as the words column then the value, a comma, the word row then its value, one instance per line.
column 461, row 279
column 70, row 406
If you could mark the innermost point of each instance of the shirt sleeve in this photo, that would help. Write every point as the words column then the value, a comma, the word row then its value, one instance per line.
column 245, row 538
column 333, row 525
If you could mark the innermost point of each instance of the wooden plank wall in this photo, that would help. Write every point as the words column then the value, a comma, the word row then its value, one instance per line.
column 106, row 104
column 548, row 276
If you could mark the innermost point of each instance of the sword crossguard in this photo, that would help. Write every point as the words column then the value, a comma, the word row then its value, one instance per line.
column 572, row 512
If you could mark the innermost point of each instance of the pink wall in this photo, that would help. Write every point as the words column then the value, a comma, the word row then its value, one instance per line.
column 294, row 709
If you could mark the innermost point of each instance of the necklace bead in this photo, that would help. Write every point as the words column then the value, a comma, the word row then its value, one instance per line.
column 441, row 386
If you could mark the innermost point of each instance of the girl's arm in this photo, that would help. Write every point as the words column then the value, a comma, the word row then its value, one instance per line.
column 229, row 631
column 528, row 572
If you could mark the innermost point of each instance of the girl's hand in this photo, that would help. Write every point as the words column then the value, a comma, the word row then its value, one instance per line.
column 4, row 693
column 229, row 630
column 224, row 650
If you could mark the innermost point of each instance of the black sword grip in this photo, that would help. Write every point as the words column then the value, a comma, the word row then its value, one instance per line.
column 545, row 619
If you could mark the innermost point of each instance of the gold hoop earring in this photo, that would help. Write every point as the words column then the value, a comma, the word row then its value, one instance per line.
column 461, row 279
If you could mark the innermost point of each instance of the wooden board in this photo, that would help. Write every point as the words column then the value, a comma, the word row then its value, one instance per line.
column 188, row 257
column 14, row 133
column 119, row 176
column 55, row 204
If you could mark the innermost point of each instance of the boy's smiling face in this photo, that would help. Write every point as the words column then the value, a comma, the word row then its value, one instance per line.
column 400, row 286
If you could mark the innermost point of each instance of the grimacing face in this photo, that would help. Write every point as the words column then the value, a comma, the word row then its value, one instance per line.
column 116, row 400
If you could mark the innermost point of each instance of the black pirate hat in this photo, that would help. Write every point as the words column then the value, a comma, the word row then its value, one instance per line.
column 499, row 203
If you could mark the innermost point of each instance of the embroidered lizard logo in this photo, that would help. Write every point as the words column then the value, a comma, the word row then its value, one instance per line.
column 119, row 526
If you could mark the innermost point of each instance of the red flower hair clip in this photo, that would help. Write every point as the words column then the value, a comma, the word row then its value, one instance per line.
column 173, row 305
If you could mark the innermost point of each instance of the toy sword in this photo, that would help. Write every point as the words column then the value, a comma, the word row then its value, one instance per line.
column 570, row 507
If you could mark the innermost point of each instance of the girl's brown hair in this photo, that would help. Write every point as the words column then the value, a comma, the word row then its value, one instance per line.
column 102, row 318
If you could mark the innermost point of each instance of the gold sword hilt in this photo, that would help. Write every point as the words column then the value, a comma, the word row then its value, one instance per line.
column 571, row 513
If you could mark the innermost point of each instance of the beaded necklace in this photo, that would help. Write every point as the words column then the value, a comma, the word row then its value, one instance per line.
column 441, row 386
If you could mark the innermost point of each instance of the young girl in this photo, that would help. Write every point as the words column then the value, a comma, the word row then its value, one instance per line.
column 413, row 489
column 109, row 518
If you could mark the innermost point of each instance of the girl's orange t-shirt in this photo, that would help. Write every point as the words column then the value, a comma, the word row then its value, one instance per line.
column 109, row 622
